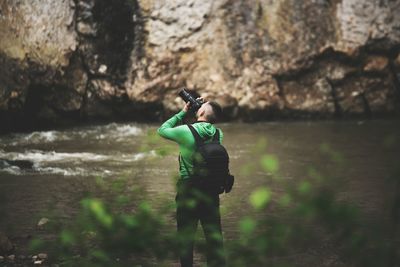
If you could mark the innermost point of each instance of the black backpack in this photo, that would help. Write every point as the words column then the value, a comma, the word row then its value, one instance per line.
column 211, row 165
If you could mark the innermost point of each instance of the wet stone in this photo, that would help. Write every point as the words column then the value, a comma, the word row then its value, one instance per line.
column 42, row 222
column 42, row 256
column 11, row 257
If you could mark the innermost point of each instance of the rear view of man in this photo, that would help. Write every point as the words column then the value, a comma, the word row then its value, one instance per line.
column 194, row 206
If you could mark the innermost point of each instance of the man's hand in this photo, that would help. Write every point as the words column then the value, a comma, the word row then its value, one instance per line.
column 186, row 107
column 201, row 99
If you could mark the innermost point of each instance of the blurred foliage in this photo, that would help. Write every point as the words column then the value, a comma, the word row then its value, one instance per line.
column 304, row 217
column 109, row 231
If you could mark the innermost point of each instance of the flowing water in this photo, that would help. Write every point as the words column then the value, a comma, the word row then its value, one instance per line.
column 62, row 160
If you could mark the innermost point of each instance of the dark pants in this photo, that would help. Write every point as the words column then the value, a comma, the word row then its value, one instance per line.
column 194, row 205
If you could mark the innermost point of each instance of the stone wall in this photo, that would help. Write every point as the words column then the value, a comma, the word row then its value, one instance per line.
column 73, row 60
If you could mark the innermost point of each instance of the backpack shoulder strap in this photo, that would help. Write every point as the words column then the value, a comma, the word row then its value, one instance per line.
column 196, row 135
column 216, row 136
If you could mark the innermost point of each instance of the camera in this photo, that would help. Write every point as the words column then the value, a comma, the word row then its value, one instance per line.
column 195, row 104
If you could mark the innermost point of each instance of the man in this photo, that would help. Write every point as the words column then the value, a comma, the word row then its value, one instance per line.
column 194, row 206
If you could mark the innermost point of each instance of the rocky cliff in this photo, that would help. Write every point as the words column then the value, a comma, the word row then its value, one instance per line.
column 71, row 60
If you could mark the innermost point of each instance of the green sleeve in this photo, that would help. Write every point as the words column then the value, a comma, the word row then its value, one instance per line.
column 169, row 131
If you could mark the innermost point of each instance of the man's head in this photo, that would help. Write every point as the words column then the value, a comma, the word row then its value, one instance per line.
column 209, row 111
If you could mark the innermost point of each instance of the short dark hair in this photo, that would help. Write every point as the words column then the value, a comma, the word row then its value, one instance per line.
column 216, row 112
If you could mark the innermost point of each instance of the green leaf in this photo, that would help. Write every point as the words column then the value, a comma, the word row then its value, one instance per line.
column 122, row 200
column 36, row 244
column 313, row 173
column 248, row 169
column 270, row 163
column 145, row 206
column 67, row 238
column 285, row 200
column 100, row 255
column 96, row 207
column 304, row 188
column 247, row 225
column 260, row 197
column 129, row 220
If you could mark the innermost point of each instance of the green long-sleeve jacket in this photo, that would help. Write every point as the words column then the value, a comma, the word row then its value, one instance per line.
column 183, row 136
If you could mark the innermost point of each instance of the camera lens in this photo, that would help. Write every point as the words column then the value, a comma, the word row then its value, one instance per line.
column 187, row 97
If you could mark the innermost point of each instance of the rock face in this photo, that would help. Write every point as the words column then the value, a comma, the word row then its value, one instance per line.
column 78, row 59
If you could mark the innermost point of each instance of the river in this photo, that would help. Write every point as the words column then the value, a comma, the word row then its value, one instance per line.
column 64, row 159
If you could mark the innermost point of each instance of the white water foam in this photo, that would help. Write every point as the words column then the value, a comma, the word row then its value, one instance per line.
column 38, row 138
column 44, row 137
column 38, row 156
column 114, row 131
column 119, row 131
column 43, row 162
column 14, row 170
column 52, row 156
column 64, row 171
column 140, row 156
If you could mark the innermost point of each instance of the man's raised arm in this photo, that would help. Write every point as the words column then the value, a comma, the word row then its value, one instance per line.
column 168, row 129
